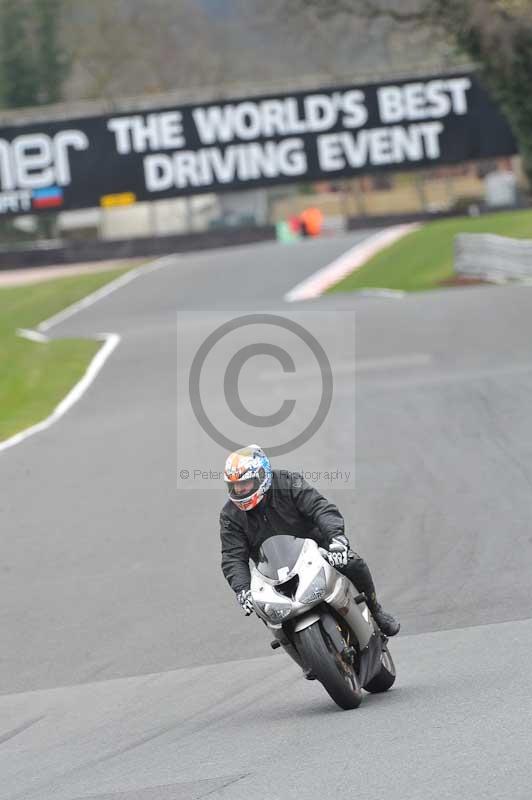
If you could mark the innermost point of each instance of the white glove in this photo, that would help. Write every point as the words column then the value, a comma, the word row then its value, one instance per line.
column 338, row 553
column 246, row 603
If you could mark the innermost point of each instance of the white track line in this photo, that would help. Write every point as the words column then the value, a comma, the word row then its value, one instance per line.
column 33, row 336
column 106, row 290
column 393, row 294
column 111, row 341
column 348, row 262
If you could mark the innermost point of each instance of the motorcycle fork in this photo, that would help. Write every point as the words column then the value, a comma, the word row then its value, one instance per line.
column 288, row 646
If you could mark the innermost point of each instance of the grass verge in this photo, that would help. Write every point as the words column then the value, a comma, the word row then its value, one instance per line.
column 424, row 258
column 35, row 377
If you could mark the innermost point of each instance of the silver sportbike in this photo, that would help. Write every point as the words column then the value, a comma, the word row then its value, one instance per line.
column 316, row 614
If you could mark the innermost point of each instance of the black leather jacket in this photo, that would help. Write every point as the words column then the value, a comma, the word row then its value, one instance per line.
column 290, row 506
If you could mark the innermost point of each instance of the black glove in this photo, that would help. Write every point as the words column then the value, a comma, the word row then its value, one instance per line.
column 244, row 598
column 338, row 553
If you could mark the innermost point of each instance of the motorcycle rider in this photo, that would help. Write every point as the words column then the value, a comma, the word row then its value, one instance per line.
column 263, row 502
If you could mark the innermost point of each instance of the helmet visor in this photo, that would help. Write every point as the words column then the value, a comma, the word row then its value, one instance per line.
column 241, row 490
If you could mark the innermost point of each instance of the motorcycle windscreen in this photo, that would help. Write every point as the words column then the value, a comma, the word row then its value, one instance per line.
column 278, row 555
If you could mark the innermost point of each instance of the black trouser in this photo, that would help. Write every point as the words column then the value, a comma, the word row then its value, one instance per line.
column 358, row 573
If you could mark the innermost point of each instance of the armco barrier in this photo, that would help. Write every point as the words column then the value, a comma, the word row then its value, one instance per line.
column 386, row 220
column 485, row 255
column 48, row 253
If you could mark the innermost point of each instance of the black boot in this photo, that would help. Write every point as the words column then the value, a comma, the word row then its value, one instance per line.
column 388, row 624
column 358, row 572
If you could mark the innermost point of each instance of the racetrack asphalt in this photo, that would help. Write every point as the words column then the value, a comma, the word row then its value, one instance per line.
column 128, row 673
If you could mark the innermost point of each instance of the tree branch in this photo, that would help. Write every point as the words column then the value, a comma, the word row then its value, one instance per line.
column 373, row 10
column 370, row 9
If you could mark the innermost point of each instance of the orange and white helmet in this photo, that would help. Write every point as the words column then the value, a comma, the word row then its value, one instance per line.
column 248, row 476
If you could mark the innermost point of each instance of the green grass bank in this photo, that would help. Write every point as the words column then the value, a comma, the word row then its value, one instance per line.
column 35, row 377
column 424, row 258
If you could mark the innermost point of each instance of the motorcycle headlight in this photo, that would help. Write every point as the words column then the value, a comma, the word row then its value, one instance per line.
column 316, row 590
column 275, row 611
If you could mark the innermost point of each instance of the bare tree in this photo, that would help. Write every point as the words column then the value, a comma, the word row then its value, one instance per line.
column 124, row 47
column 302, row 39
column 128, row 47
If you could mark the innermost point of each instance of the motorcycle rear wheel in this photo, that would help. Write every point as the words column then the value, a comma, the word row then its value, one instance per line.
column 386, row 677
column 322, row 656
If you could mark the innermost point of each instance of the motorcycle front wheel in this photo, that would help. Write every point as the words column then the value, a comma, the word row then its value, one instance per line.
column 322, row 656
